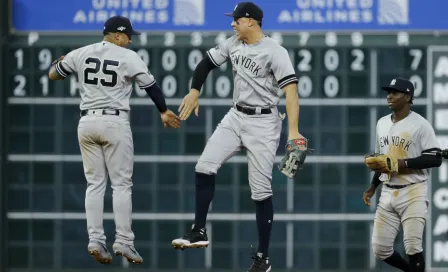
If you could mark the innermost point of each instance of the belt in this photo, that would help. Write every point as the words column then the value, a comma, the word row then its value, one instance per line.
column 402, row 186
column 251, row 111
column 104, row 112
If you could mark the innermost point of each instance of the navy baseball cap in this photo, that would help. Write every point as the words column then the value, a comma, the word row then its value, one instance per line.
column 247, row 9
column 400, row 85
column 119, row 24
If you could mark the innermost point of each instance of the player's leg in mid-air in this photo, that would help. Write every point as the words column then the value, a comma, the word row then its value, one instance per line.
column 385, row 229
column 412, row 206
column 261, row 138
column 118, row 150
column 96, row 176
column 222, row 145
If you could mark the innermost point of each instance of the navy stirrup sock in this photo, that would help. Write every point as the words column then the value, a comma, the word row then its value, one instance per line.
column 205, row 190
column 265, row 216
column 397, row 261
column 417, row 262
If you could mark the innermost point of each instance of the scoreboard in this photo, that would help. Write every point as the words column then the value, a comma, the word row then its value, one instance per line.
column 320, row 215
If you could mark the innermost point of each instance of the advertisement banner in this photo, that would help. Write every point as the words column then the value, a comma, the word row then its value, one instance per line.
column 207, row 15
column 437, row 227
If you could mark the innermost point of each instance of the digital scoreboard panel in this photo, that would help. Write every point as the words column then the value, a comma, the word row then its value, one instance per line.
column 320, row 221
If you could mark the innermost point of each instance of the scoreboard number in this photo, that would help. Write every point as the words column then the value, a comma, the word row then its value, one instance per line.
column 45, row 59
column 357, row 39
column 194, row 57
column 331, row 86
column 169, row 60
column 303, row 38
column 304, row 63
column 19, row 89
column 19, row 56
column 416, row 58
column 418, row 84
column 196, row 38
column 44, row 82
column 170, row 39
column 331, row 60
column 169, row 83
column 331, row 39
column 169, row 86
column 358, row 62
column 222, row 86
column 305, row 86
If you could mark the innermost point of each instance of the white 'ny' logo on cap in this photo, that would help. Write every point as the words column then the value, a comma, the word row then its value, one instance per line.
column 121, row 28
column 393, row 82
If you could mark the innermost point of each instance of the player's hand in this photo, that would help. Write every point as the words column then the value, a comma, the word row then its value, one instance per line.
column 294, row 135
column 368, row 195
column 190, row 102
column 58, row 60
column 170, row 119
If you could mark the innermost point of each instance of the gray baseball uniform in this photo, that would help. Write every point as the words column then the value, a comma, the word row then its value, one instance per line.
column 260, row 71
column 407, row 206
column 105, row 72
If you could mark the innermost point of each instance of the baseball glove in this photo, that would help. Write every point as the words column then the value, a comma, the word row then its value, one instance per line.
column 381, row 163
column 296, row 151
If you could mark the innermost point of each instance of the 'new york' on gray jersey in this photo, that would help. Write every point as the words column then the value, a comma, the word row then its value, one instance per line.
column 105, row 72
column 405, row 139
column 259, row 70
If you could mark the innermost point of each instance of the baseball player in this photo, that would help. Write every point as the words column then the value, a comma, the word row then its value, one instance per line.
column 261, row 69
column 106, row 71
column 406, row 149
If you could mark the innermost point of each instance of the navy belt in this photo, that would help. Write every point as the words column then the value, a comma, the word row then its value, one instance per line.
column 251, row 111
column 104, row 112
column 402, row 186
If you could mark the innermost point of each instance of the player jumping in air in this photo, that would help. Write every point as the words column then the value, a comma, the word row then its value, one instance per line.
column 406, row 149
column 106, row 71
column 261, row 69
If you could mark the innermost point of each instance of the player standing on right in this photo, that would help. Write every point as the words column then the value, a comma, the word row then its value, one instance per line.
column 406, row 147
column 106, row 71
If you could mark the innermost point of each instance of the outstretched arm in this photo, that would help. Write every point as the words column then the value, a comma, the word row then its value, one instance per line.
column 428, row 159
column 191, row 100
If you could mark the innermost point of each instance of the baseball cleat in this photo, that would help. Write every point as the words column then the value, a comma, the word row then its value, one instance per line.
column 99, row 252
column 127, row 251
column 194, row 238
column 260, row 264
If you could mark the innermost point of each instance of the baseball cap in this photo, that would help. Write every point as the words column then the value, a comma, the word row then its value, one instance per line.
column 401, row 85
column 119, row 24
column 247, row 9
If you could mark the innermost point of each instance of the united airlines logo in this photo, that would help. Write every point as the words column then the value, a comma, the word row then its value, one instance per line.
column 393, row 12
column 189, row 12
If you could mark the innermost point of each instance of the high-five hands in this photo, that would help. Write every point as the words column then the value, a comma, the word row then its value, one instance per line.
column 188, row 104
column 170, row 119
